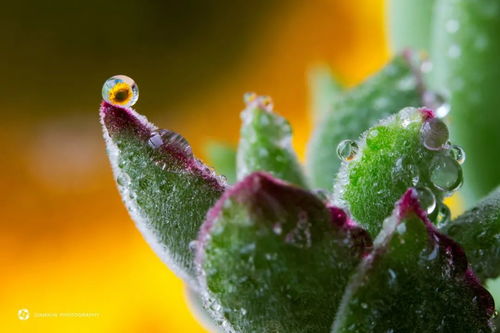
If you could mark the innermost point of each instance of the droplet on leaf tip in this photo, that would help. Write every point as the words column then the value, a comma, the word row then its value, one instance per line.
column 120, row 90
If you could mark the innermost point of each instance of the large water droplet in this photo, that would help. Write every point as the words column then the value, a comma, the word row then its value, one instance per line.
column 446, row 173
column 426, row 198
column 164, row 137
column 443, row 216
column 458, row 153
column 120, row 90
column 347, row 150
column 434, row 134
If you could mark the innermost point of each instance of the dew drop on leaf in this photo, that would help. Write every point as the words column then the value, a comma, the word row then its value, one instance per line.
column 426, row 198
column 434, row 134
column 443, row 216
column 458, row 153
column 164, row 137
column 446, row 173
column 347, row 150
column 120, row 90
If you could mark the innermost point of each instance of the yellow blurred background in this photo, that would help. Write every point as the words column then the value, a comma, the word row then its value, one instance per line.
column 67, row 244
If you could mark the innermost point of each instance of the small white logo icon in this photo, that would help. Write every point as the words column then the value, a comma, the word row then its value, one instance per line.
column 23, row 314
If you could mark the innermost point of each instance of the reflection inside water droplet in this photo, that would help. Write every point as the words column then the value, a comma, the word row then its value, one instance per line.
column 443, row 216
column 458, row 153
column 347, row 150
column 446, row 173
column 426, row 198
column 120, row 90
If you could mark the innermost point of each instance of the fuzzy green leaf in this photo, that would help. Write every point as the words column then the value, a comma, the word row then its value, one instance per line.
column 274, row 258
column 391, row 158
column 265, row 143
column 415, row 280
column 223, row 158
column 410, row 24
column 465, row 55
column 478, row 231
column 398, row 85
column 167, row 191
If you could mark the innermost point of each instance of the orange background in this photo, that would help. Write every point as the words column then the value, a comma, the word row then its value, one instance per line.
column 67, row 243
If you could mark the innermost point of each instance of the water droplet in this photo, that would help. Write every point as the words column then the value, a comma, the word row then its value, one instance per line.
column 446, row 173
column 458, row 153
column 347, row 150
column 277, row 229
column 249, row 97
column 427, row 199
column 443, row 216
column 192, row 245
column 120, row 90
column 452, row 26
column 434, row 134
column 321, row 194
column 164, row 137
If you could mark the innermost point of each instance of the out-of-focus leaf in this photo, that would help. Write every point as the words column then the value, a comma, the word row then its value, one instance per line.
column 396, row 86
column 324, row 89
column 410, row 24
column 466, row 56
column 223, row 158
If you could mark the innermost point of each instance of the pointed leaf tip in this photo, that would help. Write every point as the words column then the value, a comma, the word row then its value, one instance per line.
column 411, row 260
column 265, row 143
column 165, row 188
column 273, row 257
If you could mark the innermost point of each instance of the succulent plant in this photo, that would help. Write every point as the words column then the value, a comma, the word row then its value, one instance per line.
column 359, row 242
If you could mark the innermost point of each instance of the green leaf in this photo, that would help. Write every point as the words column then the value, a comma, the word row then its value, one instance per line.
column 410, row 24
column 407, row 149
column 465, row 55
column 167, row 191
column 223, row 157
column 265, row 143
column 478, row 231
column 414, row 280
column 274, row 258
column 324, row 88
column 396, row 86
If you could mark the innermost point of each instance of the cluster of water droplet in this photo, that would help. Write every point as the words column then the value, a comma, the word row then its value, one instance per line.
column 120, row 90
column 445, row 169
column 251, row 99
